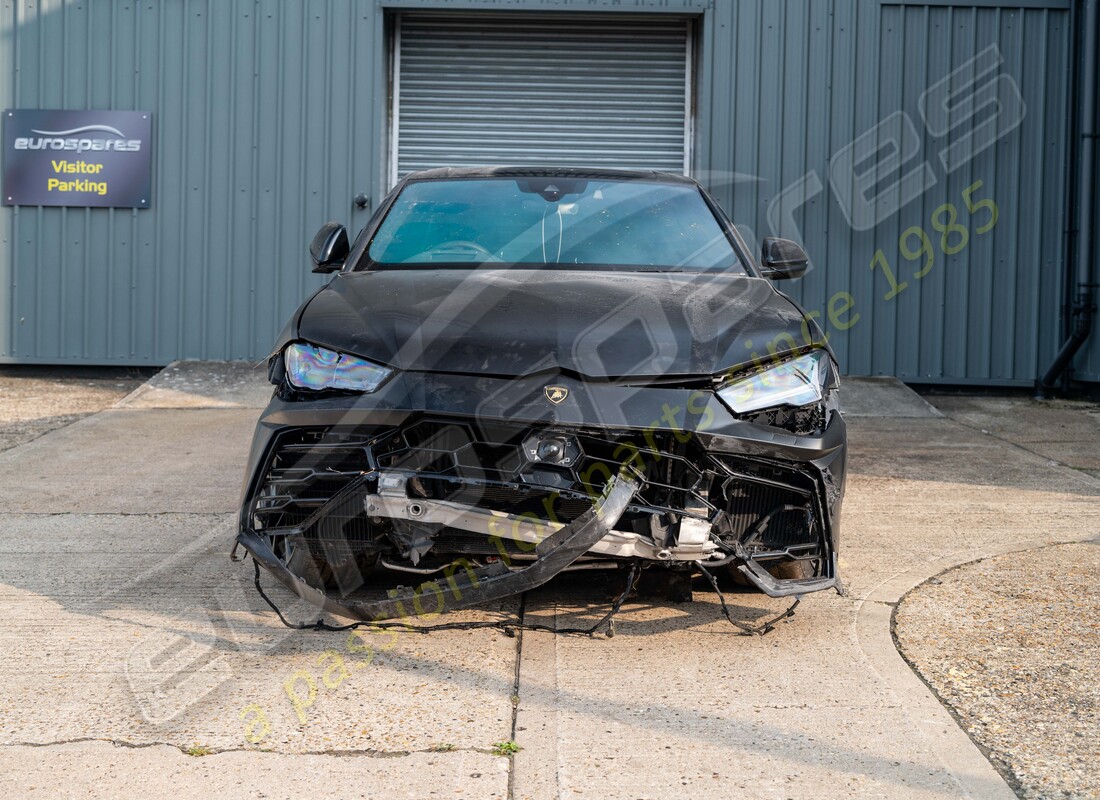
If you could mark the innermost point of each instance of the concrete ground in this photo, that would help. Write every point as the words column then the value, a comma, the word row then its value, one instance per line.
column 1011, row 643
column 1065, row 431
column 141, row 661
column 37, row 400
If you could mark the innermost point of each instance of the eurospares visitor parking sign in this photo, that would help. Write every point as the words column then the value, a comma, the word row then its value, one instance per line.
column 78, row 158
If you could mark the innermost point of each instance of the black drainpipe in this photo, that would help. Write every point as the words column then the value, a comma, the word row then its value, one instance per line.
column 1084, row 306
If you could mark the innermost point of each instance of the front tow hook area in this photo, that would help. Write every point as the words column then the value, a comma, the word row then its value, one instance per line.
column 465, row 587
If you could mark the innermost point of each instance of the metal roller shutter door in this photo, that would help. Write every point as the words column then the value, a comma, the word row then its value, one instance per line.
column 596, row 91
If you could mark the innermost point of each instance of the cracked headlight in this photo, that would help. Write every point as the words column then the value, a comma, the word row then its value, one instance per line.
column 316, row 368
column 797, row 382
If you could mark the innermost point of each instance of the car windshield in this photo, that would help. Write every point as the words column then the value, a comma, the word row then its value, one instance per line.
column 556, row 222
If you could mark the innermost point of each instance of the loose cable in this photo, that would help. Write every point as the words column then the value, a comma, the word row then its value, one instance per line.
column 748, row 630
column 509, row 627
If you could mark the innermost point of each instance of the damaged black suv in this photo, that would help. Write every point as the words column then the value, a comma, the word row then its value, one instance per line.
column 519, row 371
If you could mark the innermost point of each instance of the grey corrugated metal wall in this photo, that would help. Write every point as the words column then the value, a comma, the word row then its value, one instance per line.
column 808, row 78
column 271, row 114
column 257, row 141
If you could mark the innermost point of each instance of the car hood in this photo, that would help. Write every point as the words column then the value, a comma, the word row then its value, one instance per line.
column 511, row 322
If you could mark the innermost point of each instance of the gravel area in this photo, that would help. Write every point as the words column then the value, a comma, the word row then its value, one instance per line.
column 35, row 400
column 1012, row 646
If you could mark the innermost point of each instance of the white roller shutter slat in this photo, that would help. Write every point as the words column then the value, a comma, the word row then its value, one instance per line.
column 606, row 91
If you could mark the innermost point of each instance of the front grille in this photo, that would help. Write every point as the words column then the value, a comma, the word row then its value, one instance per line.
column 473, row 457
column 771, row 508
column 306, row 469
column 768, row 505
column 445, row 448
column 786, row 526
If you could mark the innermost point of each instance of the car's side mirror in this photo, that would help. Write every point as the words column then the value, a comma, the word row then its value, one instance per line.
column 330, row 247
column 783, row 259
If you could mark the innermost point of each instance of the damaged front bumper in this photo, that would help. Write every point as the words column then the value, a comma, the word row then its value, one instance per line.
column 497, row 496
column 471, row 587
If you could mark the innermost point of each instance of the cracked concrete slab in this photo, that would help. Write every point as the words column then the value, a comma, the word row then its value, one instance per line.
column 680, row 705
column 104, row 770
column 140, row 629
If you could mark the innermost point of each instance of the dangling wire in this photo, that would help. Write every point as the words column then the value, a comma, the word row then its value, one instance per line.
column 747, row 630
column 508, row 626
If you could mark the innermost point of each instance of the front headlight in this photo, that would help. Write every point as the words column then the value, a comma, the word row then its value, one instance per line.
column 311, row 367
column 797, row 382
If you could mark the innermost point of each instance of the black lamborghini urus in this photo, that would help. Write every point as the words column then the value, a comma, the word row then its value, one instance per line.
column 515, row 372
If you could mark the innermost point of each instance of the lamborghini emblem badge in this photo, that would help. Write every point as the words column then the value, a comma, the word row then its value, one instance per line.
column 556, row 394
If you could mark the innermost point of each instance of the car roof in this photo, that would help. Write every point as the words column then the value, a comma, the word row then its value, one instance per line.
column 445, row 173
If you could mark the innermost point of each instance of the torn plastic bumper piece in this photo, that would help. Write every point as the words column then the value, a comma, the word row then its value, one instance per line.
column 778, row 587
column 465, row 587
